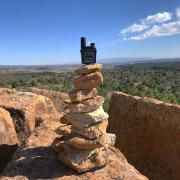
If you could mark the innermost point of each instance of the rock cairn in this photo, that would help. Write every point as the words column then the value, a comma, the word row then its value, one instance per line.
column 85, row 147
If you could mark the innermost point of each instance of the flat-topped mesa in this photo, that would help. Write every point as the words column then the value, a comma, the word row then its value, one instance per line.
column 85, row 147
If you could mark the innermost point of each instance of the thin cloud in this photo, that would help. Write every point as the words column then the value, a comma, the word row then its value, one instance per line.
column 134, row 28
column 149, row 20
column 178, row 13
column 154, row 26
column 157, row 18
column 168, row 29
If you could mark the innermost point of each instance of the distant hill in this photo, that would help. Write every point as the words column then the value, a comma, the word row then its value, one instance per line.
column 108, row 64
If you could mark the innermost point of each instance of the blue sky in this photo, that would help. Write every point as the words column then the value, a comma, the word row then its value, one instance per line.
column 49, row 31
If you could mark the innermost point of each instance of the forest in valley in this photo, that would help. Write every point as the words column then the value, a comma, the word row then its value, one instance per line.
column 156, row 80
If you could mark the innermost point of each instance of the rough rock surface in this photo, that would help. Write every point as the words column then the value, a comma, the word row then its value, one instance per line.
column 7, row 130
column 46, row 117
column 24, row 108
column 8, row 138
column 89, row 81
column 80, row 95
column 82, row 160
column 76, row 150
column 7, row 90
column 45, row 134
column 148, row 134
column 58, row 98
column 41, row 163
column 79, row 142
column 86, row 105
column 87, row 119
column 87, row 69
column 92, row 132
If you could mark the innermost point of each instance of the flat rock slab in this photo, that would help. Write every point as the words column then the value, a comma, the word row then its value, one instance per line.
column 64, row 130
column 87, row 119
column 92, row 132
column 80, row 95
column 89, row 81
column 88, row 69
column 41, row 163
column 79, row 142
column 88, row 105
column 83, row 160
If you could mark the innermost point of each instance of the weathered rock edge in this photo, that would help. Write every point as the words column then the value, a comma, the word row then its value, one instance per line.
column 148, row 133
column 41, row 163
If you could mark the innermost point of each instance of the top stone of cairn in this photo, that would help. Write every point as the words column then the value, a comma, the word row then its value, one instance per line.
column 87, row 69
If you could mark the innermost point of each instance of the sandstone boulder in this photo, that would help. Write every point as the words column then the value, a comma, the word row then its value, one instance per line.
column 86, row 105
column 45, row 134
column 148, row 133
column 89, row 81
column 8, row 138
column 24, row 108
column 41, row 163
column 7, row 130
column 58, row 98
column 87, row 69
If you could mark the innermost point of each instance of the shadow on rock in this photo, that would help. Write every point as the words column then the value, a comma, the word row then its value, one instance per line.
column 36, row 163
column 41, row 163
column 6, row 153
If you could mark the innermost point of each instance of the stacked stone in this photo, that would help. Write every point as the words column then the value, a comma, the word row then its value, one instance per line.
column 86, row 146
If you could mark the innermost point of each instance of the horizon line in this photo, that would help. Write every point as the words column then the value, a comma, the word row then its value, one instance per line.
column 142, row 59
